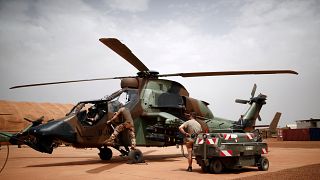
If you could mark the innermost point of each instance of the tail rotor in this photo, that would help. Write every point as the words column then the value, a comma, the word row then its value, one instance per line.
column 242, row 101
column 247, row 121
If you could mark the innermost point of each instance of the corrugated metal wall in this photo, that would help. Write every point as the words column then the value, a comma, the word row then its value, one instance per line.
column 31, row 110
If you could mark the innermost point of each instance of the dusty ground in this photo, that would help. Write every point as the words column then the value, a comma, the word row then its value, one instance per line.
column 288, row 160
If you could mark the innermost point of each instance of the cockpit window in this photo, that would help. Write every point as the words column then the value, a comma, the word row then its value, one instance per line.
column 77, row 108
column 127, row 98
column 89, row 112
column 132, row 99
column 124, row 97
column 81, row 107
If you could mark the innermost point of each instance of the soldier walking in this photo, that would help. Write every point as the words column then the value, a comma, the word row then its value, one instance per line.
column 190, row 129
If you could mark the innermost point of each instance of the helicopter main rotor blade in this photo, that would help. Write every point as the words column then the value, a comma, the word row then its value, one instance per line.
column 65, row 82
column 229, row 73
column 124, row 52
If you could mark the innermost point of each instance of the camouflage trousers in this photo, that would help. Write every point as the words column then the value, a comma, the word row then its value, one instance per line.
column 122, row 127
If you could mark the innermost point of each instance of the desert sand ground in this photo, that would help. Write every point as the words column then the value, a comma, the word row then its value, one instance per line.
column 288, row 160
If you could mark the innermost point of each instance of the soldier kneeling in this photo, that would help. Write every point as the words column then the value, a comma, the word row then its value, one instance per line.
column 123, row 113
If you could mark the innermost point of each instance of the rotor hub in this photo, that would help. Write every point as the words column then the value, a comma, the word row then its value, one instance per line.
column 148, row 74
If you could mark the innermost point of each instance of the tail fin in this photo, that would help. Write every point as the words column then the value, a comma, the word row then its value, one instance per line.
column 274, row 122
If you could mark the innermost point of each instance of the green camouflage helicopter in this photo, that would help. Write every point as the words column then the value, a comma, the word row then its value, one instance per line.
column 157, row 106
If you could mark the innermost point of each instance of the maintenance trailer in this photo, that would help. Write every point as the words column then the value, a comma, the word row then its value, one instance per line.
column 218, row 150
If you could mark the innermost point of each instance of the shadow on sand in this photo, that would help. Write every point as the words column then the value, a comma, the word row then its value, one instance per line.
column 148, row 159
column 114, row 162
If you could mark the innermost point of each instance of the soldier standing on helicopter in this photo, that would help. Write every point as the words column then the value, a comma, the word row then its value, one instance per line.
column 124, row 115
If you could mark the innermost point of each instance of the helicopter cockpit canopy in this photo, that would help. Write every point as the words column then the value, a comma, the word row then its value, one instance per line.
column 90, row 112
column 125, row 97
column 77, row 108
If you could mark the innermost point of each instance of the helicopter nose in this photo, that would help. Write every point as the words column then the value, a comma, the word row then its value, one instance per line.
column 55, row 129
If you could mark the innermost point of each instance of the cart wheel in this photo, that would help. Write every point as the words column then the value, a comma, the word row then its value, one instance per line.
column 216, row 166
column 263, row 164
column 204, row 168
column 135, row 156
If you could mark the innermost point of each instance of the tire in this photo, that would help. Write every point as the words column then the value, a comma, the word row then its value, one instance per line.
column 263, row 164
column 135, row 156
column 105, row 154
column 216, row 166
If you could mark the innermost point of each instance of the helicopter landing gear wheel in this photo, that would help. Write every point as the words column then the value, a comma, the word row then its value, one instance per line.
column 135, row 156
column 215, row 166
column 105, row 153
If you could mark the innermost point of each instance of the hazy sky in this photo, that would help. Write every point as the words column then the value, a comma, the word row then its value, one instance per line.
column 43, row 41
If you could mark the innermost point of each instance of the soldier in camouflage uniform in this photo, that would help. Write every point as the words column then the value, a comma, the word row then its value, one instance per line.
column 124, row 114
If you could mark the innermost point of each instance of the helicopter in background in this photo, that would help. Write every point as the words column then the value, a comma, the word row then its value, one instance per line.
column 157, row 106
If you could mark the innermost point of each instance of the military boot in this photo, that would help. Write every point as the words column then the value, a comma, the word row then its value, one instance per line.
column 133, row 143
column 110, row 141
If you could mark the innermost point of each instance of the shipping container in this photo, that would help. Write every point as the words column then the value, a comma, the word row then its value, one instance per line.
column 296, row 134
column 314, row 134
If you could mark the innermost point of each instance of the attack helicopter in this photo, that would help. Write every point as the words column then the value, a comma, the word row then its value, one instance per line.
column 158, row 107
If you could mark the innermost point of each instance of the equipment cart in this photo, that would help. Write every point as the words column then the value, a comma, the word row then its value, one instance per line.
column 219, row 150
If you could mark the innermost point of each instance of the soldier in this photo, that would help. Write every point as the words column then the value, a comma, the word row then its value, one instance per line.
column 190, row 129
column 123, row 113
column 95, row 114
